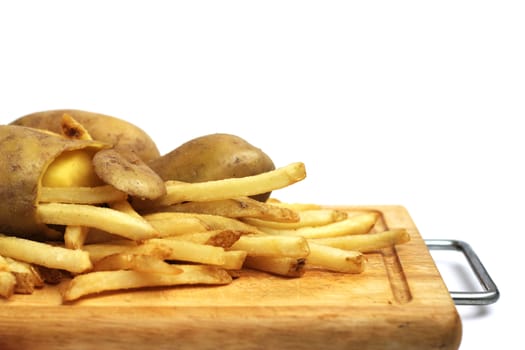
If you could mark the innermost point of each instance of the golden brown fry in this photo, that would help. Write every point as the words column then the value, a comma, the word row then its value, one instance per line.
column 285, row 266
column 136, row 262
column 106, row 219
column 357, row 224
column 335, row 259
column 75, row 236
column 7, row 284
column 81, row 195
column 22, row 249
column 273, row 246
column 309, row 217
column 243, row 207
column 96, row 282
column 367, row 242
column 178, row 192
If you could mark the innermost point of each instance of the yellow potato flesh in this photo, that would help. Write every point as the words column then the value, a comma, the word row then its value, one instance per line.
column 72, row 169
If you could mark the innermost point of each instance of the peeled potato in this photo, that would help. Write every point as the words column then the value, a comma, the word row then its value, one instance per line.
column 27, row 158
column 117, row 132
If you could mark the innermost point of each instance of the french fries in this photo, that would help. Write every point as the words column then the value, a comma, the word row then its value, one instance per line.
column 357, row 224
column 178, row 192
column 102, row 281
column 136, row 262
column 107, row 219
column 367, row 242
column 283, row 266
column 81, row 195
column 273, row 246
column 243, row 207
column 119, row 236
column 22, row 249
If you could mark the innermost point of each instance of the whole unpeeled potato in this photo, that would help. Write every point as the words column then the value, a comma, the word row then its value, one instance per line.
column 117, row 132
column 213, row 157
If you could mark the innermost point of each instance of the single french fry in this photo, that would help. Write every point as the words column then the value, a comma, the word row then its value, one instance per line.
column 309, row 217
column 75, row 236
column 169, row 224
column 366, row 242
column 99, row 251
column 96, row 282
column 178, row 192
column 217, row 222
column 106, row 219
column 273, row 246
column 191, row 252
column 335, row 259
column 7, row 284
column 242, row 207
column 136, row 262
column 173, row 224
column 218, row 238
column 81, row 195
column 22, row 249
column 352, row 225
column 284, row 266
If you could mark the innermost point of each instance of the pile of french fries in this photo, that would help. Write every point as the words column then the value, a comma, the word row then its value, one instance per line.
column 196, row 234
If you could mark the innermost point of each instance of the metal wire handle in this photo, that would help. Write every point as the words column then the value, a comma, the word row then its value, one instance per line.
column 490, row 294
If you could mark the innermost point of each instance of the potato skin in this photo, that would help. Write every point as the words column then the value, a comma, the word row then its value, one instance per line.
column 25, row 154
column 101, row 127
column 213, row 157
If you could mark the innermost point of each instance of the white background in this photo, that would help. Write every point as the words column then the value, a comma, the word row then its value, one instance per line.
column 416, row 103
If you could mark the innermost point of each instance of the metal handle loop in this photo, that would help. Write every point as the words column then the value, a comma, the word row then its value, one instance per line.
column 490, row 294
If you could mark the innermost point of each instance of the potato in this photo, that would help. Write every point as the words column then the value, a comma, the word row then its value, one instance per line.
column 213, row 157
column 27, row 157
column 108, row 129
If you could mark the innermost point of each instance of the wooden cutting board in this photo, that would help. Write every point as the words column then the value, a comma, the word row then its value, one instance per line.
column 399, row 302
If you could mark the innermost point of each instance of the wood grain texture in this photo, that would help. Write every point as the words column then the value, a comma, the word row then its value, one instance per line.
column 399, row 302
